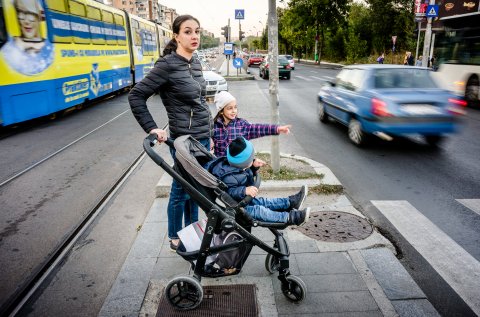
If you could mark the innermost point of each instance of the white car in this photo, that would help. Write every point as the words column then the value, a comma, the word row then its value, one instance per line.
column 215, row 82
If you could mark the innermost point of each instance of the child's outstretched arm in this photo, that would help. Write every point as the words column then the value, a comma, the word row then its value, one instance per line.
column 257, row 130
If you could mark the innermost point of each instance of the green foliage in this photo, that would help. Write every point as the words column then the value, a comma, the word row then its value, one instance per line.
column 346, row 30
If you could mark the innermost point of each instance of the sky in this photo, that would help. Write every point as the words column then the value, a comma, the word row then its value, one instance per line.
column 214, row 14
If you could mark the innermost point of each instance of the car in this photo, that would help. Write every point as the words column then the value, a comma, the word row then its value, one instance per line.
column 290, row 60
column 254, row 59
column 215, row 82
column 389, row 101
column 284, row 69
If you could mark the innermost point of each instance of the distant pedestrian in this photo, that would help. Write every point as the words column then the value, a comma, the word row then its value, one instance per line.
column 419, row 61
column 381, row 58
column 227, row 125
column 409, row 59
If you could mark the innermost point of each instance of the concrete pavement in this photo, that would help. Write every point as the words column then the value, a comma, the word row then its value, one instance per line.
column 357, row 278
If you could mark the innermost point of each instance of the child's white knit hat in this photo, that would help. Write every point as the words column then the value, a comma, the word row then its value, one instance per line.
column 222, row 99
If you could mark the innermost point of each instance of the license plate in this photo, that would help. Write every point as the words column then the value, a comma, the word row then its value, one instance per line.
column 420, row 109
column 209, row 88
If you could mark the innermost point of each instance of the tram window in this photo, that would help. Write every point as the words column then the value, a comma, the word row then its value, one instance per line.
column 120, row 27
column 57, row 5
column 96, row 26
column 3, row 29
column 80, row 30
column 108, row 23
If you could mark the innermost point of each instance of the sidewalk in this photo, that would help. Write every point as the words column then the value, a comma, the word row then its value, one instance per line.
column 358, row 278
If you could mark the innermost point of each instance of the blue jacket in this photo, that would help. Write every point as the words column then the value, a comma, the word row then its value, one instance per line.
column 236, row 179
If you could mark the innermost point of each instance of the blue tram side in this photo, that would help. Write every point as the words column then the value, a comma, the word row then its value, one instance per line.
column 56, row 54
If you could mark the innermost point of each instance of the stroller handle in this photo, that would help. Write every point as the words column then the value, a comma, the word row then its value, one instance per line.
column 153, row 138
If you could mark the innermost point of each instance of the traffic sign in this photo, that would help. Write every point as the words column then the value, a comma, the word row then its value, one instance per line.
column 239, row 14
column 432, row 11
column 238, row 62
column 228, row 49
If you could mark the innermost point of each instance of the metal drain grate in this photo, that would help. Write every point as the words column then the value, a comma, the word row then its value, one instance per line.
column 335, row 226
column 218, row 301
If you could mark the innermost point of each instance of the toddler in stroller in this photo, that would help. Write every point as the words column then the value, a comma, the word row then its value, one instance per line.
column 224, row 215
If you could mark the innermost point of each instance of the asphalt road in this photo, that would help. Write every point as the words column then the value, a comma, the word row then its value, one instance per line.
column 404, row 169
column 42, row 205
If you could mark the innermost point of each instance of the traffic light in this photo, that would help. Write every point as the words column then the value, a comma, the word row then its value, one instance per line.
column 241, row 35
column 225, row 32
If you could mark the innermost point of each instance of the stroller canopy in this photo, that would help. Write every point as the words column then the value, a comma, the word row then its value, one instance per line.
column 188, row 153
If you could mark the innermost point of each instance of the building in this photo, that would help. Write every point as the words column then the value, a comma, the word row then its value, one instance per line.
column 147, row 9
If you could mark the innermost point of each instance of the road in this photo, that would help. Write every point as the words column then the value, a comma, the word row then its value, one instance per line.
column 433, row 181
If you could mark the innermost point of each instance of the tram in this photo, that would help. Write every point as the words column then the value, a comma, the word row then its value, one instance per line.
column 58, row 54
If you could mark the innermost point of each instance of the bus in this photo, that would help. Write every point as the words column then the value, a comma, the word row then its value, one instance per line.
column 59, row 54
column 457, row 55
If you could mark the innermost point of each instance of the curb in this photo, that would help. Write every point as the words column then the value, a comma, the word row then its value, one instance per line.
column 164, row 184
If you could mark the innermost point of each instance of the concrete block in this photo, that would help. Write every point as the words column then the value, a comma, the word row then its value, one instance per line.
column 324, row 263
column 391, row 275
column 414, row 308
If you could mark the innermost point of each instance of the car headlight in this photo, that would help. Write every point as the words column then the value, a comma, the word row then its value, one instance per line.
column 222, row 82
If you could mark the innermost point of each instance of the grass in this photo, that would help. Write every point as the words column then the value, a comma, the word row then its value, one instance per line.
column 326, row 189
column 285, row 173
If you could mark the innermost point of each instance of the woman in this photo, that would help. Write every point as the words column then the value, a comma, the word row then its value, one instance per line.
column 28, row 53
column 177, row 77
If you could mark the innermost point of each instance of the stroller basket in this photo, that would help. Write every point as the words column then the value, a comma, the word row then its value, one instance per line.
column 224, row 239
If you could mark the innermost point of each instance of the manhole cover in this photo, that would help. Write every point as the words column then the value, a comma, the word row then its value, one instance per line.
column 335, row 226
column 218, row 301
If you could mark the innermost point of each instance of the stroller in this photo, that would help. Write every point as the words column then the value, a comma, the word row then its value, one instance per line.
column 224, row 216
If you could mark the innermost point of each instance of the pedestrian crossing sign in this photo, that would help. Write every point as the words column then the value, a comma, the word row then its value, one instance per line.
column 432, row 11
column 239, row 14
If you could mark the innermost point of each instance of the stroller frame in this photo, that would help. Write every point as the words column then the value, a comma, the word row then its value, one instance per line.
column 186, row 292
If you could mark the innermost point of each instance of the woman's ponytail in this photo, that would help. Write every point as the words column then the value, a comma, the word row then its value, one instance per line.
column 171, row 47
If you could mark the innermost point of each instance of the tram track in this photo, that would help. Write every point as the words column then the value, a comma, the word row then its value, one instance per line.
column 56, row 256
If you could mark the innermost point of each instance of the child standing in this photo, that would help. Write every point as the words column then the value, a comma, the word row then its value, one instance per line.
column 237, row 171
column 227, row 126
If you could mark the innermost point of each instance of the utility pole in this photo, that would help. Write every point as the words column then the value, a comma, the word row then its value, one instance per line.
column 228, row 40
column 428, row 38
column 273, row 79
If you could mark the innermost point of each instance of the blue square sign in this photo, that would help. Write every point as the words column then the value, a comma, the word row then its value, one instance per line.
column 239, row 14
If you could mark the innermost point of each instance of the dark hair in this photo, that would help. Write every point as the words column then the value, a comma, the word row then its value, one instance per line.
column 172, row 45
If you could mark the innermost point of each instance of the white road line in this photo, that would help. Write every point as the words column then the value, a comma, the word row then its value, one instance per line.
column 319, row 78
column 472, row 204
column 456, row 266
column 304, row 78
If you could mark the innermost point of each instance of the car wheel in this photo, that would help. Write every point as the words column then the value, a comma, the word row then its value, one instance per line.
column 293, row 68
column 288, row 76
column 472, row 92
column 322, row 115
column 265, row 75
column 356, row 133
column 433, row 140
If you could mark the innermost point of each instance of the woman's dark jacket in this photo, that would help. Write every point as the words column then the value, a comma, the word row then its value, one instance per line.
column 181, row 86
column 236, row 179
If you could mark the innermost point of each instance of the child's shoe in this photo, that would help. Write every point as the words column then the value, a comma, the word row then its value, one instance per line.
column 299, row 217
column 296, row 201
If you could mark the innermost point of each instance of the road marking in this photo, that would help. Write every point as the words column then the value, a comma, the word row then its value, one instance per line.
column 472, row 204
column 319, row 78
column 304, row 78
column 455, row 265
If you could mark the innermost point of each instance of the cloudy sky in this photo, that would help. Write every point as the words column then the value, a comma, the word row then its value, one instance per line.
column 213, row 14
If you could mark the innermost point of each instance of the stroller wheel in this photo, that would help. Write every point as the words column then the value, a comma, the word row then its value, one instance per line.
column 272, row 264
column 184, row 293
column 295, row 289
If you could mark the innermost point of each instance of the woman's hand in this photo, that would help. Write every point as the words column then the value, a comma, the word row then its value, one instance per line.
column 251, row 191
column 285, row 129
column 161, row 134
column 258, row 162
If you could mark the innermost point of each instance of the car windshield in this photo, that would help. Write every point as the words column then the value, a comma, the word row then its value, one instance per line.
column 282, row 59
column 289, row 56
column 403, row 78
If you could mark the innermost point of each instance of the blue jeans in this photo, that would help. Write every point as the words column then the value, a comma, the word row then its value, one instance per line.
column 180, row 205
column 269, row 209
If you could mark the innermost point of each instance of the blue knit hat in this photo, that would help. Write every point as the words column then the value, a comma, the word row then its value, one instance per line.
column 240, row 153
